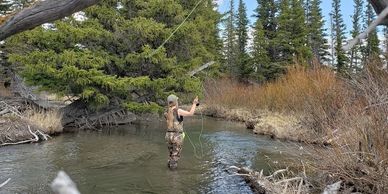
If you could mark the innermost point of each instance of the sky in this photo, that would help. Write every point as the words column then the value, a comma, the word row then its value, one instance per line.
column 346, row 8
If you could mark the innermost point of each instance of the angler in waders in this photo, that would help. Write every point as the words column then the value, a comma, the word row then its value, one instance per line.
column 175, row 135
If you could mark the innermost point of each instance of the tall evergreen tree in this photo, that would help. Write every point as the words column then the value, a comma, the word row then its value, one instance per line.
column 261, row 61
column 242, row 27
column 355, row 55
column 264, row 51
column 291, row 36
column 230, row 50
column 316, row 32
column 113, row 57
column 242, row 40
column 266, row 13
column 283, row 39
column 301, row 52
column 372, row 42
column 307, row 8
column 339, row 36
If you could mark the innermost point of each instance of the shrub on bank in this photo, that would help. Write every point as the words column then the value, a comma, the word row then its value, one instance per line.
column 350, row 114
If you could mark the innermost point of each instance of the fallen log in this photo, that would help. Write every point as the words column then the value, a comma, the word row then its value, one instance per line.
column 261, row 184
column 78, row 115
column 35, row 139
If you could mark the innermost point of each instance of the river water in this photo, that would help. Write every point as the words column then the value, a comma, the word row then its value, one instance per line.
column 132, row 159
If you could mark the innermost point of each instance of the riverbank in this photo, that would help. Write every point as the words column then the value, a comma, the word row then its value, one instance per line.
column 317, row 106
column 22, row 123
column 263, row 122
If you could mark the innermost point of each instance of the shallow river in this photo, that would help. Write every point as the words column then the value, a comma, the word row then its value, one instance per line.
column 132, row 159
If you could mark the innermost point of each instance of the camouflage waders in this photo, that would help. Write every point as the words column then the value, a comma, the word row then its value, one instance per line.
column 174, row 138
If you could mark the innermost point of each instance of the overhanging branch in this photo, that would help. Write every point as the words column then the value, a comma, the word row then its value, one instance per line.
column 40, row 13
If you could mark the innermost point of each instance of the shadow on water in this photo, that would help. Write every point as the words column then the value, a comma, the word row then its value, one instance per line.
column 133, row 159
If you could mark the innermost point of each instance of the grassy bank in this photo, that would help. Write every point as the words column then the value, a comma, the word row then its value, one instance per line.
column 28, row 126
column 316, row 105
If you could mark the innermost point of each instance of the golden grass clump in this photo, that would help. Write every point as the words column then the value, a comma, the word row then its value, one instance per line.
column 49, row 121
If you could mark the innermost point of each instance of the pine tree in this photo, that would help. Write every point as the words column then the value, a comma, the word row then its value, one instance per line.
column 266, row 13
column 339, row 36
column 372, row 42
column 264, row 51
column 316, row 32
column 283, row 39
column 230, row 49
column 300, row 51
column 113, row 57
column 242, row 40
column 291, row 35
column 260, row 59
column 355, row 55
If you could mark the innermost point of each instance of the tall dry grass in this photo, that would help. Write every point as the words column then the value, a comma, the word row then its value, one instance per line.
column 47, row 120
column 297, row 92
column 352, row 114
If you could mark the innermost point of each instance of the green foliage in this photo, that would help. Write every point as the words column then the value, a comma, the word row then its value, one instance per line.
column 339, row 33
column 316, row 32
column 355, row 54
column 142, row 107
column 230, row 48
column 242, row 40
column 265, row 49
column 372, row 43
column 260, row 56
column 111, row 58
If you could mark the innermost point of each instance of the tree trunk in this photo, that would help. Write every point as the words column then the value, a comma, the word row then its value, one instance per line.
column 40, row 13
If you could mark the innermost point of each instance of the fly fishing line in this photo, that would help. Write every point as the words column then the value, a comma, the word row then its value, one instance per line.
column 176, row 29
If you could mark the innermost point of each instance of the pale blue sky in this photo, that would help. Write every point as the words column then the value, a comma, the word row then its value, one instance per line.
column 346, row 8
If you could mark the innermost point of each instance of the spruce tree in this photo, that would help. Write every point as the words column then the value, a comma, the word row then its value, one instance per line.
column 339, row 36
column 113, row 57
column 266, row 13
column 265, row 54
column 230, row 50
column 300, row 51
column 372, row 42
column 291, row 35
column 283, row 39
column 242, row 40
column 355, row 55
column 261, row 62
column 316, row 32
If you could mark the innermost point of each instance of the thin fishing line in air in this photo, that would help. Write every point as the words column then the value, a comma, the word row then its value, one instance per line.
column 176, row 29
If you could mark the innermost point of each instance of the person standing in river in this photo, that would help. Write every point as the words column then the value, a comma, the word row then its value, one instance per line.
column 175, row 135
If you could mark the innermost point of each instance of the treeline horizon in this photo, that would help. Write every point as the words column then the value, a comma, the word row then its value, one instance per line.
column 288, row 32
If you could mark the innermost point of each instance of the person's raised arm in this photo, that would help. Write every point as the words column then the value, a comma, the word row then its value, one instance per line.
column 192, row 110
